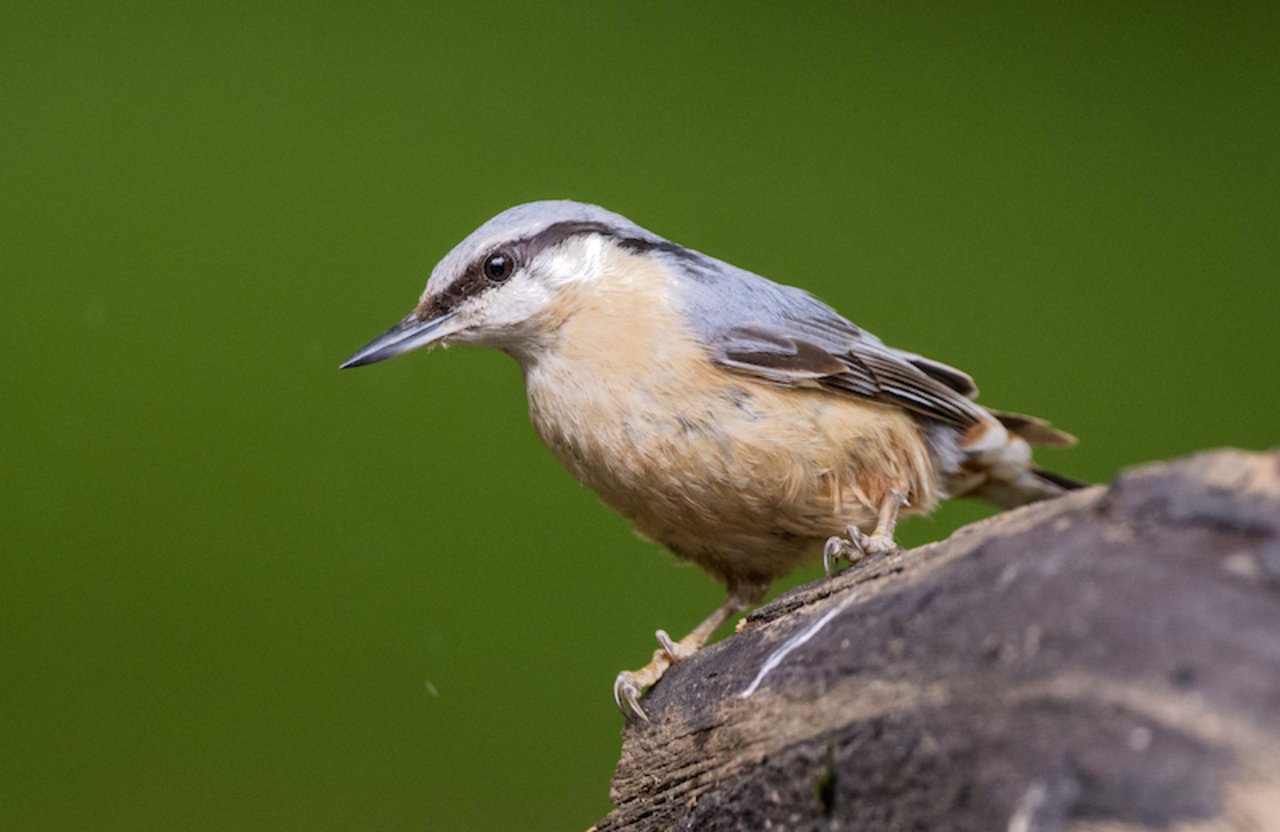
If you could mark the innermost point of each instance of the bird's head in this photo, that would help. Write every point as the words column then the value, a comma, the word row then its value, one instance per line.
column 502, row 286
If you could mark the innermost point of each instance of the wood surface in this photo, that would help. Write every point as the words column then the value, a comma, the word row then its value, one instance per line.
column 1109, row 660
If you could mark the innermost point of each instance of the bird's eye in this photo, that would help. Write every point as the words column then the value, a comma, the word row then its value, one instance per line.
column 499, row 266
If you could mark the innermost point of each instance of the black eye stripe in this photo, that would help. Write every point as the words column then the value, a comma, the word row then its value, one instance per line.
column 476, row 281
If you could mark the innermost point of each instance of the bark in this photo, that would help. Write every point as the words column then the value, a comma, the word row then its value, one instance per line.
column 1108, row 660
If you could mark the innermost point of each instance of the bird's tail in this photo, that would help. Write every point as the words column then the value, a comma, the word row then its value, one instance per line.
column 995, row 462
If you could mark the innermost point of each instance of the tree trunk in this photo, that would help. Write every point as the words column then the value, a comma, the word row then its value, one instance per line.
column 1108, row 660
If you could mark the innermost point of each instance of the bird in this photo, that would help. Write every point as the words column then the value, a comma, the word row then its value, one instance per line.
column 743, row 424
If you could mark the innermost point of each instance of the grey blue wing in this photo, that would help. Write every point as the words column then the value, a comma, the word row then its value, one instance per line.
column 857, row 364
column 786, row 336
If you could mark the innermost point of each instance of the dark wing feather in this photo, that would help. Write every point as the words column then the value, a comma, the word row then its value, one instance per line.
column 786, row 336
column 859, row 365
column 950, row 376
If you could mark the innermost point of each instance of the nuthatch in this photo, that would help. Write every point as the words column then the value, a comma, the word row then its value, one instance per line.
column 743, row 424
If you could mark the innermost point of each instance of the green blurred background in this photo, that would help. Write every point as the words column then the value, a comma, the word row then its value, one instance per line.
column 242, row 590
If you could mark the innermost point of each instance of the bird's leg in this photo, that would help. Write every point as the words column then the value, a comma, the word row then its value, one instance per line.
column 859, row 544
column 630, row 684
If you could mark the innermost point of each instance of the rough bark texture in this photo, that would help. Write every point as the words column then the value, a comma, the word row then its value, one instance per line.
column 1109, row 660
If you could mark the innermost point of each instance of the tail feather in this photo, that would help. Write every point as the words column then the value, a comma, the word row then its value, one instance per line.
column 1036, row 431
column 1063, row 482
column 1031, row 486
column 995, row 462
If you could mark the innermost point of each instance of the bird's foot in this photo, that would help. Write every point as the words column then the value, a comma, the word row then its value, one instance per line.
column 632, row 684
column 627, row 690
column 676, row 651
column 856, row 546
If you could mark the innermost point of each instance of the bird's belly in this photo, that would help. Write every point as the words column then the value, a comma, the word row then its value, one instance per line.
column 741, row 477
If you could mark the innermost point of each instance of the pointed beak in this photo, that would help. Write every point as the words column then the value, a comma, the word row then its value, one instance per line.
column 409, row 334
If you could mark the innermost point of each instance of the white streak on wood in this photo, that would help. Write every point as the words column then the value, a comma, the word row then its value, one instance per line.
column 776, row 657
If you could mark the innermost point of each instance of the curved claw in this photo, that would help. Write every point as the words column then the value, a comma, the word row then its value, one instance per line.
column 852, row 548
column 834, row 549
column 668, row 646
column 626, row 694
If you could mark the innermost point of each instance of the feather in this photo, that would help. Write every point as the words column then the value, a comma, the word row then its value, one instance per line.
column 788, row 337
column 1035, row 431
